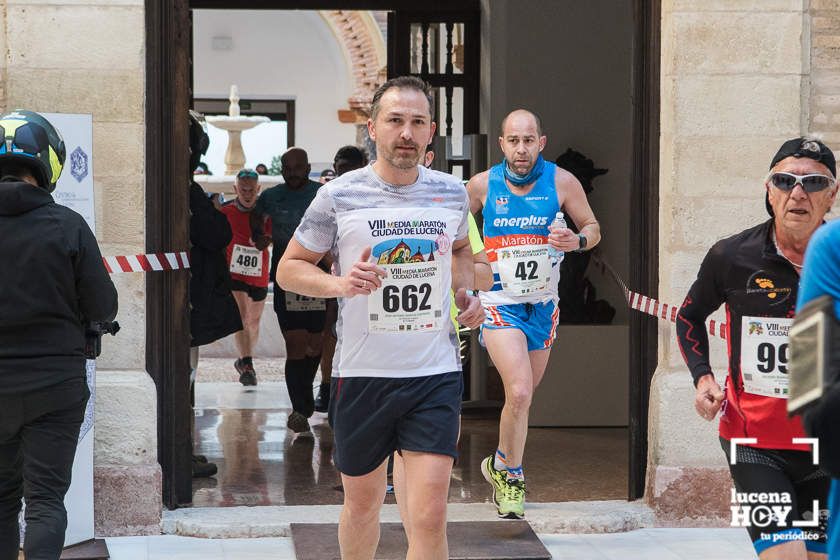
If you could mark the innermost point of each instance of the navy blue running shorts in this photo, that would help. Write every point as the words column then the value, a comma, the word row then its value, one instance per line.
column 372, row 417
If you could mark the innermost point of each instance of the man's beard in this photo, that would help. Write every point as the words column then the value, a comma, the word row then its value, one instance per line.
column 400, row 161
column 524, row 171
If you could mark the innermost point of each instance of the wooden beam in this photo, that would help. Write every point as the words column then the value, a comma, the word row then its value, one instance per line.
column 168, row 38
column 439, row 7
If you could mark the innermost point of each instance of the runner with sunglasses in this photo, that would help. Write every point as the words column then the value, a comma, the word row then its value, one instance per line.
column 755, row 274
column 248, row 267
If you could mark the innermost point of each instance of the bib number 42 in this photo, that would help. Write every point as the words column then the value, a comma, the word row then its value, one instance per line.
column 526, row 270
column 409, row 299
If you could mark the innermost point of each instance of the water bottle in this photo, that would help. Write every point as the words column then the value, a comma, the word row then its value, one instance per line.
column 556, row 255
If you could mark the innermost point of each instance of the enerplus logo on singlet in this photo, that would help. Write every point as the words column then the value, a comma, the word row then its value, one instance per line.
column 521, row 221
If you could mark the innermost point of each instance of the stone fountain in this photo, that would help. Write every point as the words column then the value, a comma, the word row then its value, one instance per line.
column 235, row 124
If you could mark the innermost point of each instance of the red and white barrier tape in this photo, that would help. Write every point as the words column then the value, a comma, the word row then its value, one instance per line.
column 152, row 262
column 651, row 306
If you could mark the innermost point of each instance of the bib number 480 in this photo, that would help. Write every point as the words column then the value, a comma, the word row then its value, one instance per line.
column 526, row 270
column 411, row 298
column 247, row 261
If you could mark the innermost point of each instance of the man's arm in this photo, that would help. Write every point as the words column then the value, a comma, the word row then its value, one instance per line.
column 477, row 189
column 574, row 202
column 298, row 273
column 821, row 276
column 703, row 298
column 256, row 219
column 463, row 269
column 96, row 291
column 463, row 282
column 823, row 422
column 483, row 272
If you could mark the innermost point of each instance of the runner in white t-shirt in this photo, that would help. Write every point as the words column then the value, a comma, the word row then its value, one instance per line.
column 399, row 235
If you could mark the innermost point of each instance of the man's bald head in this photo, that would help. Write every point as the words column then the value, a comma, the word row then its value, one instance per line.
column 521, row 140
column 295, row 167
column 521, row 116
column 294, row 154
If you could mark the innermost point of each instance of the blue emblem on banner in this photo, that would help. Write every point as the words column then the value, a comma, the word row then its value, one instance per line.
column 79, row 164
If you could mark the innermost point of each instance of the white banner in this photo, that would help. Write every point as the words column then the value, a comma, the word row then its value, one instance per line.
column 75, row 186
column 75, row 190
column 79, row 499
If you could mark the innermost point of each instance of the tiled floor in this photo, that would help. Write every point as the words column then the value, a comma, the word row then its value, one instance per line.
column 645, row 544
column 243, row 430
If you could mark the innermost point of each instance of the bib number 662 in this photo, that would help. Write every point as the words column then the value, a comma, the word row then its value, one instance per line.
column 408, row 299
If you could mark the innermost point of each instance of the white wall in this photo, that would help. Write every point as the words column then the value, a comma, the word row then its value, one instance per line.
column 280, row 54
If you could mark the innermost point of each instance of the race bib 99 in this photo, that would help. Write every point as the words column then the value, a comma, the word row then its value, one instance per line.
column 764, row 355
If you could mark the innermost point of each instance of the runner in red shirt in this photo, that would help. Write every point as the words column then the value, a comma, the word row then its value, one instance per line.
column 248, row 266
column 755, row 275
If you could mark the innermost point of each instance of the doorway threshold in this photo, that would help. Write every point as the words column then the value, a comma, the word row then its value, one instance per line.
column 608, row 516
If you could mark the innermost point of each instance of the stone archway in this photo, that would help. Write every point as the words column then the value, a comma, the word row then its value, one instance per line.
column 360, row 33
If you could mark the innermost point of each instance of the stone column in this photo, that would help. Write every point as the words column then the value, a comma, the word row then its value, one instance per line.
column 77, row 56
column 732, row 90
column 824, row 99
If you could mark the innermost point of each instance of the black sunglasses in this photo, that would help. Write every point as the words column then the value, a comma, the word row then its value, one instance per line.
column 810, row 183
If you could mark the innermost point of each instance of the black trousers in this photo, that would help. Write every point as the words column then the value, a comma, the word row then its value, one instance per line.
column 38, row 436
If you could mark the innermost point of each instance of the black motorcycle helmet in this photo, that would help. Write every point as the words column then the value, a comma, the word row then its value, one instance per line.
column 30, row 140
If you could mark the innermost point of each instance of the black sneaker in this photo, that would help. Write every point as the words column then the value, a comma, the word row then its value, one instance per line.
column 203, row 470
column 199, row 458
column 322, row 401
column 247, row 375
column 298, row 423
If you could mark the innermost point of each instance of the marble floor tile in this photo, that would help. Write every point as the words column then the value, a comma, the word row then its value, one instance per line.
column 243, row 430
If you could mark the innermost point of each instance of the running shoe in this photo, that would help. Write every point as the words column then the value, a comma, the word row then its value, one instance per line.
column 247, row 375
column 298, row 423
column 512, row 504
column 322, row 401
column 497, row 480
column 507, row 496
column 203, row 470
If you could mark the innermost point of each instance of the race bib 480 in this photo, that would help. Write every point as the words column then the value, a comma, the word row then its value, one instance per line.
column 246, row 261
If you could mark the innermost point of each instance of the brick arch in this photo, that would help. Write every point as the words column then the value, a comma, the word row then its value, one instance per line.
column 360, row 35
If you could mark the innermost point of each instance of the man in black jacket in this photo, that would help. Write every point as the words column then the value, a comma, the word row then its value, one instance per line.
column 213, row 311
column 53, row 283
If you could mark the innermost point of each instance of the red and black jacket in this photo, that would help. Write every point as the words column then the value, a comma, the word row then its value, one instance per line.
column 747, row 275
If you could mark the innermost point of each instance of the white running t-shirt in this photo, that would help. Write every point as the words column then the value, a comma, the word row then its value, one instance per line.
column 402, row 329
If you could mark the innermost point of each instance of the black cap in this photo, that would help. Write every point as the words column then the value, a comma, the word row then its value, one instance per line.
column 803, row 147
